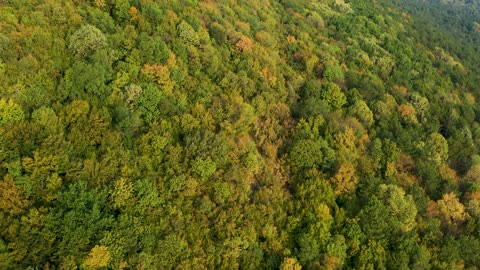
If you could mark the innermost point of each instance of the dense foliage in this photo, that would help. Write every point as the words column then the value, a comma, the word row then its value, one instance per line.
column 222, row 134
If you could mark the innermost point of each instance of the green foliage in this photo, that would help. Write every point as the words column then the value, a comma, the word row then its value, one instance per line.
column 10, row 112
column 361, row 110
column 173, row 250
column 153, row 49
column 84, row 78
column 374, row 220
column 333, row 95
column 187, row 34
column 402, row 208
column 120, row 10
column 139, row 134
column 437, row 148
column 203, row 168
column 309, row 249
column 308, row 153
column 333, row 72
column 86, row 40
column 148, row 102
column 80, row 211
column 218, row 33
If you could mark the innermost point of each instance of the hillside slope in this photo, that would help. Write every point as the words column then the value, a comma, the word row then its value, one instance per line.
column 234, row 134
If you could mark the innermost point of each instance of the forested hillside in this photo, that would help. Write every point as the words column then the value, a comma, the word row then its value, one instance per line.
column 237, row 134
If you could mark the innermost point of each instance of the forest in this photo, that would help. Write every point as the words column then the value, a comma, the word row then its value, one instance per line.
column 239, row 134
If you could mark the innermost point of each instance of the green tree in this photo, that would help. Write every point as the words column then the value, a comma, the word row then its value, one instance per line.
column 218, row 33
column 187, row 34
column 306, row 154
column 86, row 40
column 120, row 10
column 333, row 73
column 10, row 112
column 361, row 110
column 204, row 168
column 391, row 213
column 436, row 148
column 153, row 49
column 148, row 103
column 84, row 78
column 333, row 95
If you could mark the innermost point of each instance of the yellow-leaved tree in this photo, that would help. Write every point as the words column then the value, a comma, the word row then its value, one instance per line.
column 97, row 258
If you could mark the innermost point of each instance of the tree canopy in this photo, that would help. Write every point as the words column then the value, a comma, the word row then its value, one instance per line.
column 199, row 134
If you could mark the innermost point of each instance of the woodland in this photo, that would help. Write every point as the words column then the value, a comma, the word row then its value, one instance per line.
column 239, row 134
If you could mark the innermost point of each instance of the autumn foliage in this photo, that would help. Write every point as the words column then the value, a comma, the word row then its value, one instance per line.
column 211, row 134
